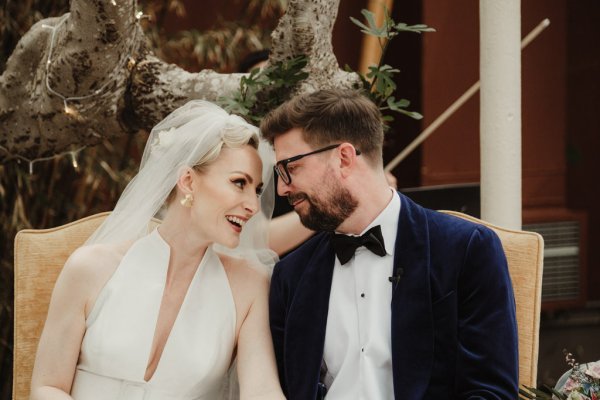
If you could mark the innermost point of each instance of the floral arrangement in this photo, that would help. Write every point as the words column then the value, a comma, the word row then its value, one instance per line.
column 581, row 382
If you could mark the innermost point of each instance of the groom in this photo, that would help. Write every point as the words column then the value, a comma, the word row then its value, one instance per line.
column 390, row 300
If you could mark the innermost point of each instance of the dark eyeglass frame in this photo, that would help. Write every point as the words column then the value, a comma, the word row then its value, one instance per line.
column 281, row 169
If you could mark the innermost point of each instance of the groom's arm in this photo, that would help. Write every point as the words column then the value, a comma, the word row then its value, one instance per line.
column 488, row 361
column 277, row 314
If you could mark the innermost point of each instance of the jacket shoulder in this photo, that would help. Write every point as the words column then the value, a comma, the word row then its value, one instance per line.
column 452, row 225
column 296, row 261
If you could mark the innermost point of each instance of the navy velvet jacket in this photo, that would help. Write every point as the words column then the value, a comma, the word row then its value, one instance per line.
column 454, row 331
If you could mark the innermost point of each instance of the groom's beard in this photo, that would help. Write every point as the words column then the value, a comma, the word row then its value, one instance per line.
column 326, row 214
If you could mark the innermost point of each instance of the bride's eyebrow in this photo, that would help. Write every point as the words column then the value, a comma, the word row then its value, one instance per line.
column 245, row 174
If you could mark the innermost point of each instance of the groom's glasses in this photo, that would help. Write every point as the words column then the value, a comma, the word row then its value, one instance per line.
column 281, row 167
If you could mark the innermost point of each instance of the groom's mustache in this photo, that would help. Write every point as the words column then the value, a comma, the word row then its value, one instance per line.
column 295, row 197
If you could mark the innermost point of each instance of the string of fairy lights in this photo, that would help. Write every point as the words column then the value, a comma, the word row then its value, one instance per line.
column 69, row 101
column 72, row 153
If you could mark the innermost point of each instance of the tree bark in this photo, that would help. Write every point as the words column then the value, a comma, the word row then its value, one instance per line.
column 88, row 76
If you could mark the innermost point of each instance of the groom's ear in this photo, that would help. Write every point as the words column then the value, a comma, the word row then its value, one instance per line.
column 347, row 155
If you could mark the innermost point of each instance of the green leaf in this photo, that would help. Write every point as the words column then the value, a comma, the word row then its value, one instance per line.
column 419, row 28
column 371, row 27
column 558, row 394
column 525, row 394
column 364, row 29
column 412, row 114
column 397, row 105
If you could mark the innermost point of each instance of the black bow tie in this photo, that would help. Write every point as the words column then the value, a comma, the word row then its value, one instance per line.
column 345, row 246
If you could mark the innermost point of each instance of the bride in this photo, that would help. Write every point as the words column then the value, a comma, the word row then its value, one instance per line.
column 162, row 313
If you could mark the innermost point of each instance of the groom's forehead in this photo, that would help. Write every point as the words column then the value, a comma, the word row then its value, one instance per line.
column 290, row 144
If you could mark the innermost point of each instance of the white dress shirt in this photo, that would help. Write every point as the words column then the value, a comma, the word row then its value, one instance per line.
column 358, row 348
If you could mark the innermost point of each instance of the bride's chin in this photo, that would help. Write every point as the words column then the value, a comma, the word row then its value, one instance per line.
column 230, row 244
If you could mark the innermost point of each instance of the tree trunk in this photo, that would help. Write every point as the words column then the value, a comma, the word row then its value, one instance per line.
column 87, row 76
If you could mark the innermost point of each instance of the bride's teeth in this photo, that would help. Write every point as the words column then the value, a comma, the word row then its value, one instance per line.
column 236, row 220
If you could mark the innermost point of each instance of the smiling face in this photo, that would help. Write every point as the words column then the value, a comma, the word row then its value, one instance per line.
column 315, row 191
column 226, row 195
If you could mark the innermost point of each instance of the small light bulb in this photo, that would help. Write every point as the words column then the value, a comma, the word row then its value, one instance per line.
column 131, row 63
column 139, row 15
column 74, row 160
column 70, row 110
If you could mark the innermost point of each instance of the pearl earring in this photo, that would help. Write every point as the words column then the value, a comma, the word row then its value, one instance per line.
column 187, row 201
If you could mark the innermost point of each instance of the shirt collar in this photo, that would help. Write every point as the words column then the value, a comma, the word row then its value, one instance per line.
column 388, row 220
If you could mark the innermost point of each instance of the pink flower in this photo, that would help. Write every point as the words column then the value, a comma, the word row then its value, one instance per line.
column 570, row 384
column 593, row 370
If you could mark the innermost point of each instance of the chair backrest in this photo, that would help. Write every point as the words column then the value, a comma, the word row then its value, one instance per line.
column 525, row 254
column 39, row 258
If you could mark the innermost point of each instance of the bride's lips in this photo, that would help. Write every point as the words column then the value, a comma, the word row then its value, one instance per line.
column 236, row 222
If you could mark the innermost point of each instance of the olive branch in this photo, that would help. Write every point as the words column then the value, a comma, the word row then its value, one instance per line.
column 265, row 89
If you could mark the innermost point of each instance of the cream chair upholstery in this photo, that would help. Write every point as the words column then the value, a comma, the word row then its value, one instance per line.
column 525, row 254
column 40, row 255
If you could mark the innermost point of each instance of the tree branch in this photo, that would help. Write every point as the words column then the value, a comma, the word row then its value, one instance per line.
column 102, row 81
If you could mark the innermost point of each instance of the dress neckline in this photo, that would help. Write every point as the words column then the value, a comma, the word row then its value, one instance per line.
column 165, row 249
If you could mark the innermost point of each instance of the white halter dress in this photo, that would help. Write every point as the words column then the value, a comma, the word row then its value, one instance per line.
column 120, row 330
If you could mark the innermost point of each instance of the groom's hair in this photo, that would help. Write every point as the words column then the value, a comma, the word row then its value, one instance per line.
column 330, row 116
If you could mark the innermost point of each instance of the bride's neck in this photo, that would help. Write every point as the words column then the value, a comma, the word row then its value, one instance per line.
column 185, row 242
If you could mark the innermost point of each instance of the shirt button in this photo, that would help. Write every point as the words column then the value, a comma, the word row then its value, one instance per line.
column 362, row 349
column 362, row 295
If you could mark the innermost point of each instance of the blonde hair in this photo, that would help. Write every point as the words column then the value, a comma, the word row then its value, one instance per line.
column 232, row 137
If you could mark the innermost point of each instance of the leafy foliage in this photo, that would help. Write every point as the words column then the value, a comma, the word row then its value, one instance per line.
column 265, row 89
column 379, row 81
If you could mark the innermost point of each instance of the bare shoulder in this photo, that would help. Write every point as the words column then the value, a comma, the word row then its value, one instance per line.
column 244, row 275
column 94, row 259
column 90, row 267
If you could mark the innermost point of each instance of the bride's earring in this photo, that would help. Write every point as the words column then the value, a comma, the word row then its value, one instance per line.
column 187, row 201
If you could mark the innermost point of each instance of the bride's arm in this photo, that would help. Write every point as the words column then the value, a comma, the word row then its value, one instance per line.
column 60, row 342
column 287, row 232
column 257, row 371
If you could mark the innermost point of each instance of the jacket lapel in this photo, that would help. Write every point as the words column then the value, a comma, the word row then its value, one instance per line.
column 412, row 325
column 306, row 324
